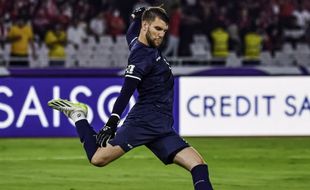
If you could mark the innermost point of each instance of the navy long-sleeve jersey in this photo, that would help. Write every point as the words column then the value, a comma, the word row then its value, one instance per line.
column 150, row 121
column 147, row 65
column 148, row 72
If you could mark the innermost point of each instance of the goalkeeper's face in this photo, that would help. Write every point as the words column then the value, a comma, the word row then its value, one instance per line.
column 156, row 32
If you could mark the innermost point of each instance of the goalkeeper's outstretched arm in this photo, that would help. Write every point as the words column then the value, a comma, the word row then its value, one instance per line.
column 108, row 131
column 135, row 26
column 128, row 88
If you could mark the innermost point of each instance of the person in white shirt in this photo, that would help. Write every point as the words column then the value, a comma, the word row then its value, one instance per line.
column 97, row 25
column 302, row 16
column 76, row 33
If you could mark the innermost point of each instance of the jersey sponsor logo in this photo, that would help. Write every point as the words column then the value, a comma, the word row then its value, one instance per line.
column 130, row 146
column 130, row 69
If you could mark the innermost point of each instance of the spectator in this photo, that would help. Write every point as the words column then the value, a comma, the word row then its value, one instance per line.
column 55, row 40
column 4, row 7
column 302, row 16
column 115, row 23
column 220, row 40
column 65, row 14
column 208, row 16
column 253, row 45
column 174, row 32
column 76, row 33
column 190, row 24
column 82, row 10
column 20, row 8
column 21, row 36
column 97, row 26
column 286, row 12
column 45, row 14
column 244, row 21
column 274, row 37
column 293, row 33
column 235, row 41
column 286, row 8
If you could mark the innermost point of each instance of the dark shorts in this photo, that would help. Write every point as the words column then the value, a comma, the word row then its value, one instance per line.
column 154, row 130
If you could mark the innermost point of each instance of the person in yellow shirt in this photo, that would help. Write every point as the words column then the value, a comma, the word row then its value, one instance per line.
column 20, row 36
column 56, row 40
column 220, row 45
column 253, row 45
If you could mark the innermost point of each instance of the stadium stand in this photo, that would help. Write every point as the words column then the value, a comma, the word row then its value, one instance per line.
column 282, row 24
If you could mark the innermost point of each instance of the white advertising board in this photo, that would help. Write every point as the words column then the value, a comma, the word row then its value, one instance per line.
column 244, row 106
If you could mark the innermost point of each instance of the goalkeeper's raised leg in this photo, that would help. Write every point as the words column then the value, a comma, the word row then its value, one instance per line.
column 77, row 112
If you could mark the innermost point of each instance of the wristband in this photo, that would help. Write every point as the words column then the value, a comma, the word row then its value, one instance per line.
column 113, row 120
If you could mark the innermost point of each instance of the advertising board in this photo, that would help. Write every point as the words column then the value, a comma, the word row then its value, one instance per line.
column 244, row 106
column 24, row 111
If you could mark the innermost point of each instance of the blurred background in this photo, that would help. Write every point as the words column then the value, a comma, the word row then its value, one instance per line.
column 90, row 33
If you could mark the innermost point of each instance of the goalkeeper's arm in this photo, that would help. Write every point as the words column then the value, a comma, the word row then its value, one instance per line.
column 135, row 26
column 108, row 131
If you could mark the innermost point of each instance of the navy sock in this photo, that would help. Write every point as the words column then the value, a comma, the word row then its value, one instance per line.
column 200, row 176
column 87, row 137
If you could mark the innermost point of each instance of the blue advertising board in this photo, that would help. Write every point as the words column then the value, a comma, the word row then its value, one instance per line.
column 24, row 110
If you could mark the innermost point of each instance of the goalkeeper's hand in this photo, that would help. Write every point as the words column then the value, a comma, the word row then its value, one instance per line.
column 104, row 135
column 107, row 132
column 137, row 13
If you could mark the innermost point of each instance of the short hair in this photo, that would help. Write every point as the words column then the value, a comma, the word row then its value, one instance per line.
column 151, row 13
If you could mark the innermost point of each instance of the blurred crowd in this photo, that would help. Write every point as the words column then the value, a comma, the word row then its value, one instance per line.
column 245, row 27
column 275, row 21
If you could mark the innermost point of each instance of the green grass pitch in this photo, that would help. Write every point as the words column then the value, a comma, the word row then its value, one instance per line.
column 235, row 163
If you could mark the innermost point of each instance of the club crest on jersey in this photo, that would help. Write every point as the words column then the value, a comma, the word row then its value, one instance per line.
column 129, row 69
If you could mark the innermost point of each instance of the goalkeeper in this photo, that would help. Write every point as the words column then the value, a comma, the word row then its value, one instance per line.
column 150, row 121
